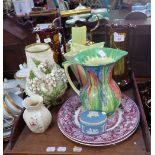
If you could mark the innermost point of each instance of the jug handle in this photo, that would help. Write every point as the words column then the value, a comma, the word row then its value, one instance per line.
column 69, row 79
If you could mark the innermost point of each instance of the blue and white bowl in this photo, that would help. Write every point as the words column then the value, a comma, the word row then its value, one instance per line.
column 146, row 9
column 93, row 122
column 14, row 103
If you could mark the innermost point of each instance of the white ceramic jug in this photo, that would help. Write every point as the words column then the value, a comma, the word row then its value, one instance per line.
column 36, row 115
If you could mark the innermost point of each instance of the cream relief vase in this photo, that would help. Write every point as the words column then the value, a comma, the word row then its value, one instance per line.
column 38, row 51
column 45, row 77
column 36, row 116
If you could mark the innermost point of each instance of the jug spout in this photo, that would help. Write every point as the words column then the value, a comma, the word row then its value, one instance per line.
column 97, row 57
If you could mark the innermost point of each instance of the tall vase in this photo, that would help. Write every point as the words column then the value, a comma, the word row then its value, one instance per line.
column 45, row 77
column 40, row 52
column 100, row 93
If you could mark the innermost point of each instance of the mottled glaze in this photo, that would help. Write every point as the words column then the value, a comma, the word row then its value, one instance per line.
column 78, row 69
column 100, row 93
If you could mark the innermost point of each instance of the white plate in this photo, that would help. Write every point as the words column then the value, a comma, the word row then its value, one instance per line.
column 7, row 134
column 7, row 122
column 72, row 21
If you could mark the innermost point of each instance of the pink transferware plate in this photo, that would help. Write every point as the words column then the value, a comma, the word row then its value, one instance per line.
column 119, row 126
column 102, row 144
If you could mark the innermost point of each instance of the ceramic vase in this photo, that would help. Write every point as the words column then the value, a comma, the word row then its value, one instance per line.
column 36, row 115
column 38, row 51
column 45, row 77
column 101, row 92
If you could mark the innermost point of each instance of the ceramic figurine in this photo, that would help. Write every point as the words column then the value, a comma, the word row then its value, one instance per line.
column 36, row 115
column 100, row 93
column 93, row 122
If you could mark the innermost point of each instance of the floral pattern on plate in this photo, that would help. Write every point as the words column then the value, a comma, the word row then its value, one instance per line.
column 120, row 125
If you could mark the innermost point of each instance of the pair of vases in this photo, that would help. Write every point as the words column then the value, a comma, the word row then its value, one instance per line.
column 36, row 115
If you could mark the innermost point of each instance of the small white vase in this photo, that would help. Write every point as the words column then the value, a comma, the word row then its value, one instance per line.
column 36, row 116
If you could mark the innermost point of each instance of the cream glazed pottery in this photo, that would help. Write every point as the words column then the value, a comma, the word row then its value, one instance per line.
column 36, row 115
column 21, row 75
column 41, row 52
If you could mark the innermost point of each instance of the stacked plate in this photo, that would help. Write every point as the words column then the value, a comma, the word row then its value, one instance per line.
column 10, row 86
column 12, row 106
column 120, row 125
column 7, row 127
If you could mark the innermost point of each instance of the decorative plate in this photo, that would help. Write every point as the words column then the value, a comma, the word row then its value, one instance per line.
column 119, row 126
column 102, row 144
column 7, row 134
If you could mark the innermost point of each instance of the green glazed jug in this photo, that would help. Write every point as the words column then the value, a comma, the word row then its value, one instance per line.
column 100, row 93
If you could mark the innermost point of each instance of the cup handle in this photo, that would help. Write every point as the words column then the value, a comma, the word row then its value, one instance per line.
column 69, row 79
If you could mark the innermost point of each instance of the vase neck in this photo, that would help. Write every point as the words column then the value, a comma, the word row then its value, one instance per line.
column 97, row 74
column 34, row 106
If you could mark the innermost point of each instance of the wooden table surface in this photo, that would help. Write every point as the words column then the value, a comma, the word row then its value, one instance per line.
column 36, row 144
